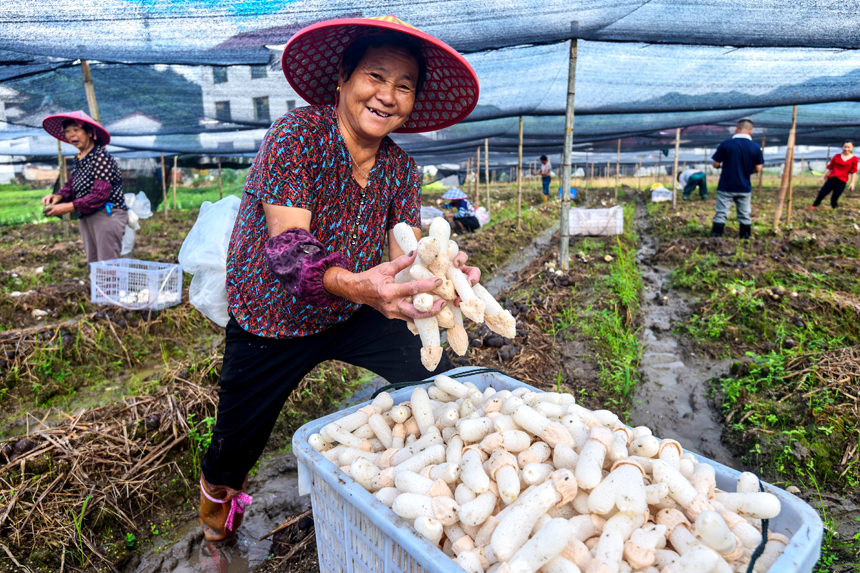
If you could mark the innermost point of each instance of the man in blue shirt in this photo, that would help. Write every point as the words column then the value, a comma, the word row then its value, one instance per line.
column 738, row 157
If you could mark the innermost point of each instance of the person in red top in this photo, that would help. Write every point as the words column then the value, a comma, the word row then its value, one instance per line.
column 306, row 279
column 840, row 167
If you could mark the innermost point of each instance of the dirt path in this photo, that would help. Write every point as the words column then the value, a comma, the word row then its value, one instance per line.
column 672, row 398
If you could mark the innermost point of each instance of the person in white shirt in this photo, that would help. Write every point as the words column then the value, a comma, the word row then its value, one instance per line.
column 545, row 171
column 692, row 178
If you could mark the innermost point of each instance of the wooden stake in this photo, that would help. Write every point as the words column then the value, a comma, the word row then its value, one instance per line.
column 520, row 177
column 564, row 247
column 220, row 187
column 163, row 184
column 175, row 157
column 585, row 173
column 789, row 154
column 478, row 177
column 761, row 173
column 487, row 169
column 791, row 187
column 617, row 164
column 90, row 90
column 675, row 168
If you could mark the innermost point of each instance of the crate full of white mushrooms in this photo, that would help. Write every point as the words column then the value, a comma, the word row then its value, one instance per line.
column 484, row 474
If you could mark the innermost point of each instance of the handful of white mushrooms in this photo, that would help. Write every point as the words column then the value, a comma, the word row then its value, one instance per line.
column 435, row 255
column 521, row 481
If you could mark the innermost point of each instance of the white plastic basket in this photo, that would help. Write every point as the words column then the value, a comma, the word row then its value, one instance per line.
column 597, row 222
column 357, row 533
column 135, row 285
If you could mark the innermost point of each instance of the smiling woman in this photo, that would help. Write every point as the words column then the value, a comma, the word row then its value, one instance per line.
column 306, row 281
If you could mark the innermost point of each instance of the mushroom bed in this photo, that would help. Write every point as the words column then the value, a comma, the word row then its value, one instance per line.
column 485, row 473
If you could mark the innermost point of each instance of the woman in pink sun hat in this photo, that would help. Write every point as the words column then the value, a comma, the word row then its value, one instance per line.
column 306, row 281
column 94, row 188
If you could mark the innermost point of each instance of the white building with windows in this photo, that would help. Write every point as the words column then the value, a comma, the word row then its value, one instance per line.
column 236, row 96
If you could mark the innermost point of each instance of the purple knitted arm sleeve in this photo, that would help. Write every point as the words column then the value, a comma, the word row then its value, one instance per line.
column 299, row 261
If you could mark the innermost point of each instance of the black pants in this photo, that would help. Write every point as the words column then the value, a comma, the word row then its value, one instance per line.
column 259, row 374
column 466, row 224
column 832, row 184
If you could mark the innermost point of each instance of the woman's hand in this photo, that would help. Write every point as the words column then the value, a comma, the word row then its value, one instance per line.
column 59, row 209
column 376, row 287
column 51, row 199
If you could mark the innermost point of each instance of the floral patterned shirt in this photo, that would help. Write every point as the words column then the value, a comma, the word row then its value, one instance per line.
column 303, row 162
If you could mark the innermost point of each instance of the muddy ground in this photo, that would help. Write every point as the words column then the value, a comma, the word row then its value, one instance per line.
column 88, row 377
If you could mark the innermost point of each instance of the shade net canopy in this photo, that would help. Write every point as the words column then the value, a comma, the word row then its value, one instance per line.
column 202, row 77
column 223, row 32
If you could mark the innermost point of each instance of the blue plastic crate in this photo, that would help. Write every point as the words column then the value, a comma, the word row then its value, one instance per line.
column 357, row 533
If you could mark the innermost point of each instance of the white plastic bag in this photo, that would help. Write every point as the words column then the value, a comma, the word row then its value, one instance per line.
column 660, row 193
column 204, row 255
column 482, row 215
column 139, row 208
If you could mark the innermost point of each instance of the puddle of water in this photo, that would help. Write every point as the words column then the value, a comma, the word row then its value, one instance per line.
column 505, row 275
column 276, row 496
column 672, row 397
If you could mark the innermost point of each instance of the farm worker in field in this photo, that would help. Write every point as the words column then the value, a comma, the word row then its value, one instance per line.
column 692, row 178
column 463, row 219
column 545, row 172
column 94, row 188
column 306, row 282
column 840, row 167
column 738, row 157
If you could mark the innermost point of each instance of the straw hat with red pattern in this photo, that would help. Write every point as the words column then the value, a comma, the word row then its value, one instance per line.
column 312, row 58
column 53, row 124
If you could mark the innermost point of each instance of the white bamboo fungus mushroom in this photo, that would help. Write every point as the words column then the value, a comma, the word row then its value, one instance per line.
column 380, row 429
column 319, row 443
column 743, row 530
column 610, row 547
column 514, row 441
column 589, row 468
column 474, row 429
column 564, row 457
column 405, row 237
column 440, row 230
column 432, row 438
column 535, row 473
column 411, row 506
column 645, row 446
column 428, row 248
column 364, row 472
column 623, row 487
column 476, row 511
column 472, row 472
column 432, row 455
column 537, row 424
column 431, row 341
column 758, row 505
column 640, row 549
column 503, row 469
column 679, row 488
column 430, row 528
column 747, row 483
column 470, row 562
column 716, row 534
column 544, row 546
column 697, row 560
column 445, row 319
column 497, row 318
column 470, row 304
column 423, row 302
column 670, row 452
column 576, row 428
column 387, row 495
column 773, row 550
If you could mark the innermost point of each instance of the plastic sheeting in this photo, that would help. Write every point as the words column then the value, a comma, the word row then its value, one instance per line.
column 235, row 31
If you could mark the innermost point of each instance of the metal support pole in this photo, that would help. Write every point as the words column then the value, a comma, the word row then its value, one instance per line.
column 220, row 186
column 675, row 168
column 520, row 177
column 175, row 157
column 487, row 169
column 617, row 165
column 564, row 247
column 789, row 159
column 163, row 184
column 90, row 90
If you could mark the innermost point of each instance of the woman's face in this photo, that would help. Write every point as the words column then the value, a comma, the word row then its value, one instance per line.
column 847, row 148
column 380, row 93
column 78, row 136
